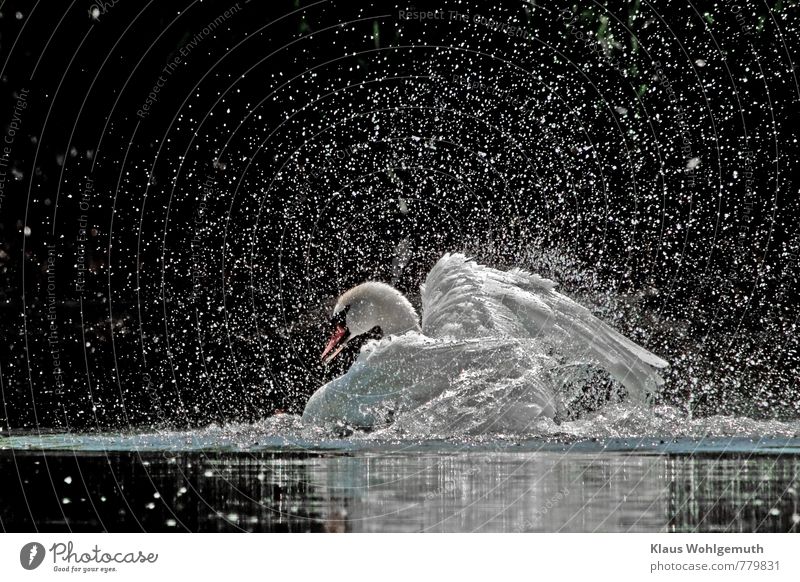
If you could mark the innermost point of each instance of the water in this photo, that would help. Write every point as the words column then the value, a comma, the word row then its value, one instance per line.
column 178, row 265
column 278, row 476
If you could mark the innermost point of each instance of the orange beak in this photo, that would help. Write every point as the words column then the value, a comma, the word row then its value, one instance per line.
column 335, row 345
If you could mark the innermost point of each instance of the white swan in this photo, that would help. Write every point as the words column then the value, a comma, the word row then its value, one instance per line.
column 485, row 357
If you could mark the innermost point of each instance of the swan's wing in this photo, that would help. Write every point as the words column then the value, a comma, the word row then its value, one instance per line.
column 463, row 299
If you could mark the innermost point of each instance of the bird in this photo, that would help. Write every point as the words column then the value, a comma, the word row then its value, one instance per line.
column 488, row 353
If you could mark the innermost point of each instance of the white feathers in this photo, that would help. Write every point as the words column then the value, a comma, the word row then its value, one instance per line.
column 450, row 385
column 374, row 304
column 484, row 353
column 463, row 299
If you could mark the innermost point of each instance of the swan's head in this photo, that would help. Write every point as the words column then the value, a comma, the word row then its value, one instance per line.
column 366, row 307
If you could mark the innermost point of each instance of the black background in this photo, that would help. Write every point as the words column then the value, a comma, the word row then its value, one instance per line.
column 268, row 146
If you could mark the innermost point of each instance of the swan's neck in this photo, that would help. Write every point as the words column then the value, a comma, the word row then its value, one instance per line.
column 399, row 316
column 374, row 304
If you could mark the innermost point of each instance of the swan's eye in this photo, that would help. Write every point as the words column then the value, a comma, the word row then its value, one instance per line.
column 340, row 318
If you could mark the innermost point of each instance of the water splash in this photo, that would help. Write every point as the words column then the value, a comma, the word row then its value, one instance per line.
column 617, row 428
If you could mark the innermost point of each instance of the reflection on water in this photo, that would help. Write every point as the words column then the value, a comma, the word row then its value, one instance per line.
column 463, row 491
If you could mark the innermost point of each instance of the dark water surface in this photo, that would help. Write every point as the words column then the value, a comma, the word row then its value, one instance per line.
column 736, row 485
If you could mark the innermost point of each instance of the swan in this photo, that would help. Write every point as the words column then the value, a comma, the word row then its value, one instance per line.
column 487, row 354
